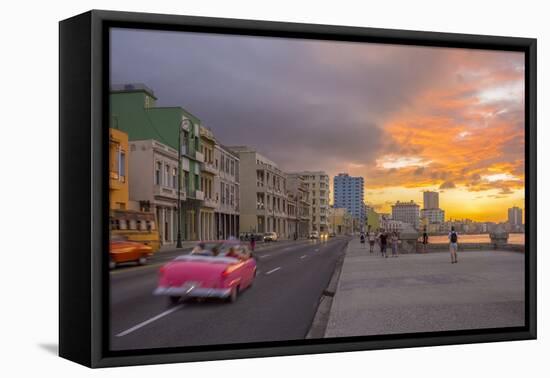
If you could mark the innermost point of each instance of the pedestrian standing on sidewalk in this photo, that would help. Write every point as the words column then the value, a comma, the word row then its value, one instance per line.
column 394, row 239
column 252, row 242
column 384, row 243
column 453, row 245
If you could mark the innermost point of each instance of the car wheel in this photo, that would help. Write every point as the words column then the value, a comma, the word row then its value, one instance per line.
column 112, row 264
column 142, row 261
column 173, row 300
column 233, row 295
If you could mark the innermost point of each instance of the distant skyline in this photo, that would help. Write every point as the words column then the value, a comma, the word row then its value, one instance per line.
column 406, row 118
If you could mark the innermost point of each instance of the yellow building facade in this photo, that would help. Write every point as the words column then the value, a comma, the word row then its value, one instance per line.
column 118, row 170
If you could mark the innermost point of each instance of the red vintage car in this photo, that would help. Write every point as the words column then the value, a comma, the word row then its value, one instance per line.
column 219, row 269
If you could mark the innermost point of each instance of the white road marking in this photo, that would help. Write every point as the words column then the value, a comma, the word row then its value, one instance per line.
column 317, row 250
column 143, row 324
column 273, row 270
column 303, row 257
column 265, row 255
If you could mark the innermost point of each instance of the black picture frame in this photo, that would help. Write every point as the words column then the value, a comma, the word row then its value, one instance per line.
column 83, row 196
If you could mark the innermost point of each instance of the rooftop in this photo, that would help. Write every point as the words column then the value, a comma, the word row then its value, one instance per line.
column 132, row 87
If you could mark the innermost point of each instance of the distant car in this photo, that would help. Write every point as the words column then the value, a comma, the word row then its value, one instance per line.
column 324, row 235
column 270, row 236
column 122, row 250
column 332, row 235
column 220, row 269
column 314, row 235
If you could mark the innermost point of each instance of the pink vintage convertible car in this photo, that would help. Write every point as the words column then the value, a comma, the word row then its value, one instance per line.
column 214, row 269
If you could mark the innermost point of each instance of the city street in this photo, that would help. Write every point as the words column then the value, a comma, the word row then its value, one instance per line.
column 279, row 306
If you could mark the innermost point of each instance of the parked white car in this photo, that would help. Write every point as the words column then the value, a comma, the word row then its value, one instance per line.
column 270, row 236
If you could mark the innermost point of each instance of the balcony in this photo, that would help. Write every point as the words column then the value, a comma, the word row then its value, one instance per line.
column 168, row 192
column 209, row 168
column 210, row 202
column 199, row 195
column 199, row 156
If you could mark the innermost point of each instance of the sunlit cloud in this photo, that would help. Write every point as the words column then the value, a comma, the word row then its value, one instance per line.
column 398, row 162
column 500, row 177
column 513, row 91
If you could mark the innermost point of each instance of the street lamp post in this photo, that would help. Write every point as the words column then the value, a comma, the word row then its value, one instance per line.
column 178, row 242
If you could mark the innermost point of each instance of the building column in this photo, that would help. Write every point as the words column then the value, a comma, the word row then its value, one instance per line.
column 172, row 226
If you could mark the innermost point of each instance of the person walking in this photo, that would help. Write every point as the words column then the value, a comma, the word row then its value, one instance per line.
column 372, row 238
column 252, row 242
column 383, row 238
column 394, row 240
column 424, row 240
column 453, row 245
column 362, row 238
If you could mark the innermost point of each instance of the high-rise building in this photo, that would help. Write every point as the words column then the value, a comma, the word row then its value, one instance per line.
column 431, row 200
column 406, row 212
column 515, row 216
column 318, row 186
column 348, row 194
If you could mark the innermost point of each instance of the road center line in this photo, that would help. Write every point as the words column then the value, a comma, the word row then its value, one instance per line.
column 303, row 257
column 273, row 270
column 143, row 324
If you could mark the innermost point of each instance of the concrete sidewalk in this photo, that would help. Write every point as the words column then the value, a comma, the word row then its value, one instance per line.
column 425, row 292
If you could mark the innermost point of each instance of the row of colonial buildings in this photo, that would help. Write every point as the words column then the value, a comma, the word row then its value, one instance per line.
column 164, row 161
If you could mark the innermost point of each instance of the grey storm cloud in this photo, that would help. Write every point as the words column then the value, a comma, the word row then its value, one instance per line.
column 305, row 104
column 447, row 185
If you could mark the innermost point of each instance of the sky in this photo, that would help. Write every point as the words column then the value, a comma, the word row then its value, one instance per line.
column 406, row 118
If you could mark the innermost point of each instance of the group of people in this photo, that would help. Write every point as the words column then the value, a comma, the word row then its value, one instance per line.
column 384, row 238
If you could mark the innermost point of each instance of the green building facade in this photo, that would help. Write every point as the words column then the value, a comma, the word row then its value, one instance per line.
column 133, row 110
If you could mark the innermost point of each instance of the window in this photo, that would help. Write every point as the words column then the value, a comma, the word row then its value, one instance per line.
column 158, row 173
column 174, row 177
column 232, row 195
column 223, row 163
column 232, row 168
column 166, row 175
column 122, row 167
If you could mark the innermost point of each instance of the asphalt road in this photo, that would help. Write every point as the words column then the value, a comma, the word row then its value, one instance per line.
column 280, row 305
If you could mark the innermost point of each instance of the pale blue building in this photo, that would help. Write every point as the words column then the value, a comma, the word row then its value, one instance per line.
column 349, row 194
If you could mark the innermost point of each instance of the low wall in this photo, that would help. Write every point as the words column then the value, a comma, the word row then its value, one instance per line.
column 439, row 247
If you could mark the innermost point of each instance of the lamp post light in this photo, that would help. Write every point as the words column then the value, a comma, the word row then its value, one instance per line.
column 180, row 154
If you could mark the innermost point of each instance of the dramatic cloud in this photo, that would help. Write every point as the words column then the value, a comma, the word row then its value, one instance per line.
column 406, row 118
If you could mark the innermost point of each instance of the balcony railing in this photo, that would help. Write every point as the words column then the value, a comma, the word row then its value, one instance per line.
column 168, row 192
column 199, row 156
column 199, row 195
column 210, row 168
column 210, row 202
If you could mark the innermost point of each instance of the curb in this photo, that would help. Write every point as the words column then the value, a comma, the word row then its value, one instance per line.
column 320, row 320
